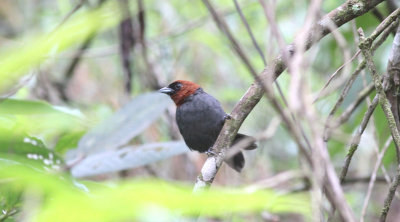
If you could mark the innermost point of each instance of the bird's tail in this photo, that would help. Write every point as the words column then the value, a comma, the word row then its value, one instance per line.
column 236, row 161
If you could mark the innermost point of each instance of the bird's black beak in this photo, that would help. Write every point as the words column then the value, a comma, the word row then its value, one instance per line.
column 166, row 90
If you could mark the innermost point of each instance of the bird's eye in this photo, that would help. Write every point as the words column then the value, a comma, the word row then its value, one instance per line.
column 177, row 86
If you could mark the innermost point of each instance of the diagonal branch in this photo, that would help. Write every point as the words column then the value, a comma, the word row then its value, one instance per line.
column 341, row 15
column 365, row 45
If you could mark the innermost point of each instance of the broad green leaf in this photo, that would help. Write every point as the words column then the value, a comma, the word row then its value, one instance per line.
column 130, row 200
column 68, row 141
column 124, row 125
column 126, row 158
column 38, row 117
column 26, row 107
column 31, row 149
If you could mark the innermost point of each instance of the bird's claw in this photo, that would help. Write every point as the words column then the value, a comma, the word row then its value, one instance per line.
column 227, row 117
column 210, row 152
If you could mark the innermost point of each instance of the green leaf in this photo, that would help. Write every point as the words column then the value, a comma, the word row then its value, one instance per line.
column 127, row 158
column 124, row 125
column 17, row 60
column 25, row 107
column 38, row 117
column 68, row 141
column 31, row 149
column 130, row 200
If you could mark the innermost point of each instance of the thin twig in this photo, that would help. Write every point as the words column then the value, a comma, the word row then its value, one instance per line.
column 373, row 177
column 69, row 72
column 353, row 77
column 151, row 74
column 344, row 117
column 342, row 43
column 365, row 44
column 355, row 141
column 389, row 197
column 341, row 15
column 248, row 29
column 214, row 162
column 127, row 42
column 393, row 72
column 350, row 181
column 383, row 25
column 282, row 44
column 375, row 146
column 75, row 9
column 269, row 14
column 391, row 81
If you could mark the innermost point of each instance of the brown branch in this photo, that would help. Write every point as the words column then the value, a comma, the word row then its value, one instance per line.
column 353, row 77
column 341, row 15
column 389, row 197
column 371, row 183
column 383, row 25
column 244, row 107
column 355, row 141
column 393, row 83
column 126, row 44
column 269, row 14
column 269, row 95
column 248, row 29
column 350, row 181
column 69, row 72
column 377, row 14
column 151, row 75
column 75, row 9
column 391, row 5
column 344, row 117
column 365, row 44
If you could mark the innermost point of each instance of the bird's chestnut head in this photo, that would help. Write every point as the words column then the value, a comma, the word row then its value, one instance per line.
column 180, row 90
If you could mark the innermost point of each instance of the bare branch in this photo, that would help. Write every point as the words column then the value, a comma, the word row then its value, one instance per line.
column 355, row 141
column 393, row 72
column 253, row 39
column 373, row 177
column 365, row 44
column 341, row 15
column 126, row 44
column 353, row 77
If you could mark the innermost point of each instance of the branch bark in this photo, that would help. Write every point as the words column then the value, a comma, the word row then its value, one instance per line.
column 341, row 15
column 393, row 84
column 365, row 45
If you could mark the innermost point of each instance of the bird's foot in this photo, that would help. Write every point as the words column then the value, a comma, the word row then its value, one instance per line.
column 210, row 152
column 227, row 117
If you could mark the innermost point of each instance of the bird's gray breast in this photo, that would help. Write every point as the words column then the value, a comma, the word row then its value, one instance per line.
column 200, row 119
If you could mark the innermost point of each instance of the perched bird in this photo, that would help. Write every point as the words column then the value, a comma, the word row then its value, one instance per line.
column 200, row 118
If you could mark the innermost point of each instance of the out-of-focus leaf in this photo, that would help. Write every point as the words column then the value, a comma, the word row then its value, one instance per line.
column 126, row 158
column 37, row 117
column 30, row 148
column 25, row 107
column 130, row 200
column 9, row 202
column 124, row 125
column 68, row 141
column 29, row 107
column 15, row 61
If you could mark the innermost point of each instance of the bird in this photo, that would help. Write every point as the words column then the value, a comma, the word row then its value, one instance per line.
column 200, row 118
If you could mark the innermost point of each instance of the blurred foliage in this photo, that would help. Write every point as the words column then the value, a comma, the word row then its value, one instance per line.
column 16, row 61
column 42, row 132
column 57, row 196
